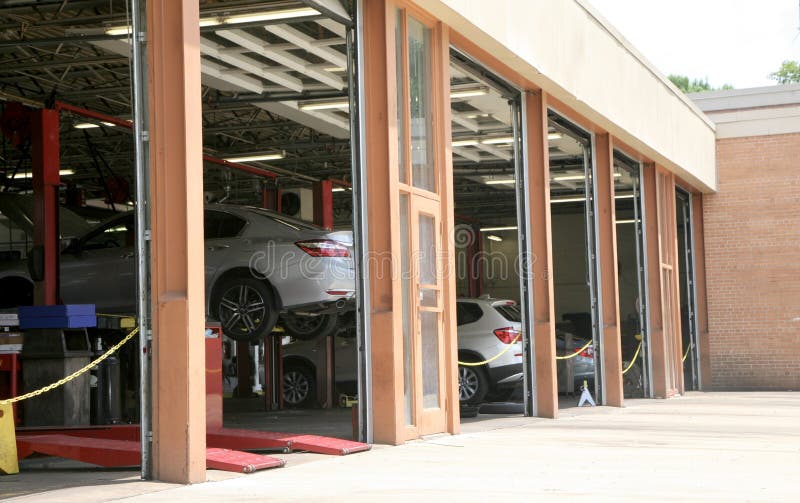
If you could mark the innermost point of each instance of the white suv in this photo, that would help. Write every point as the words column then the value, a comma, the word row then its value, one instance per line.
column 486, row 327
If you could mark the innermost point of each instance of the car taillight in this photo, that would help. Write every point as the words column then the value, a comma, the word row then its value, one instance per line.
column 506, row 335
column 323, row 248
column 587, row 353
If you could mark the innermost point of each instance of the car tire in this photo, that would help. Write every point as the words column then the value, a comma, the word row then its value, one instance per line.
column 307, row 328
column 299, row 385
column 473, row 385
column 246, row 309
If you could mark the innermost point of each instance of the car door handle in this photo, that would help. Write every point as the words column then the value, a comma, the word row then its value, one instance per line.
column 218, row 247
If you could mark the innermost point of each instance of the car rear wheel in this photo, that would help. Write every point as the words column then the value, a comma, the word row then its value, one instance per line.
column 298, row 385
column 245, row 308
column 306, row 327
column 473, row 385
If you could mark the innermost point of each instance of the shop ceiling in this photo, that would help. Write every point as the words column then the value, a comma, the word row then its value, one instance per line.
column 274, row 83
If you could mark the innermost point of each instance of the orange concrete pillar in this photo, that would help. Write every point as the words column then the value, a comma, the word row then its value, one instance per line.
column 383, row 209
column 177, row 281
column 700, row 291
column 657, row 339
column 544, row 331
column 609, row 285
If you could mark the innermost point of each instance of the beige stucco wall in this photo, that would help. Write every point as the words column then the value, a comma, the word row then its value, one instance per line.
column 566, row 48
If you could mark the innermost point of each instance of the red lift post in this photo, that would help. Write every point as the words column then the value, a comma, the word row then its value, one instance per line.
column 46, row 179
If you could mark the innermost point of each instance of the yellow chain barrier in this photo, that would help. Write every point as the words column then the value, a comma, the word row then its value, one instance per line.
column 495, row 357
column 576, row 353
column 75, row 374
column 633, row 360
column 687, row 352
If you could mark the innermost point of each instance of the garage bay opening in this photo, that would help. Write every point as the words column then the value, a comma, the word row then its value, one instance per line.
column 485, row 141
column 578, row 346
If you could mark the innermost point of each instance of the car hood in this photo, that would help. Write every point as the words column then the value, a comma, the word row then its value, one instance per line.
column 19, row 208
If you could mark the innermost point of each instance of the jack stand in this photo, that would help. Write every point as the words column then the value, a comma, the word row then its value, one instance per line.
column 585, row 395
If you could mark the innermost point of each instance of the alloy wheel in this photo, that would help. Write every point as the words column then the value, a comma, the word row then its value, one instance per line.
column 296, row 387
column 242, row 309
column 468, row 383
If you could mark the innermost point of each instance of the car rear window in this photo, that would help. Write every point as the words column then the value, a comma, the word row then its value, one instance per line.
column 510, row 312
column 468, row 312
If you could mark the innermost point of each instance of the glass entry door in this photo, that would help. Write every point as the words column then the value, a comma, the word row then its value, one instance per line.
column 427, row 387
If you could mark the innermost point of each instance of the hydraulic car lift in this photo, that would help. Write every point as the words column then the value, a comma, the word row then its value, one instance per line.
column 118, row 445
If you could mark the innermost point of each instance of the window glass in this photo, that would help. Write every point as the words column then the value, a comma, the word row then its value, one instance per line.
column 115, row 234
column 401, row 99
column 510, row 312
column 222, row 225
column 419, row 75
column 468, row 312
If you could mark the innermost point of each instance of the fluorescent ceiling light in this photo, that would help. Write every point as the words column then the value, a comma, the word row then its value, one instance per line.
column 633, row 221
column 90, row 125
column 554, row 136
column 624, row 196
column 465, row 143
column 270, row 15
column 475, row 116
column 495, row 229
column 468, row 92
column 338, row 189
column 236, row 19
column 28, row 174
column 257, row 157
column 324, row 105
column 499, row 140
column 492, row 237
column 567, row 178
column 499, row 182
column 337, row 69
column 569, row 200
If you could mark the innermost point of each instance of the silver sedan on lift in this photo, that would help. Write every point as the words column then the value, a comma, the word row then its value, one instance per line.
column 259, row 265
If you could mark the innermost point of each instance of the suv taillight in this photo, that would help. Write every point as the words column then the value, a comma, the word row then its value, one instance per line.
column 323, row 248
column 506, row 335
column 587, row 353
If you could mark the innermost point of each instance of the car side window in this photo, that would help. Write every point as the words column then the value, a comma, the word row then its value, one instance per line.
column 219, row 224
column 116, row 234
column 468, row 312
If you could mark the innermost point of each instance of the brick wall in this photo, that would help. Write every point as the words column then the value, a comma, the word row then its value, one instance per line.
column 752, row 238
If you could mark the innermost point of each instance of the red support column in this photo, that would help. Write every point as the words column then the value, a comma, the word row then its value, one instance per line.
column 45, row 162
column 271, row 198
column 323, row 204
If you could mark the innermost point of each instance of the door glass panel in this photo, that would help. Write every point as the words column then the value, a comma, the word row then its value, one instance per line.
column 428, row 298
column 401, row 98
column 407, row 330
column 427, row 250
column 419, row 73
column 429, row 325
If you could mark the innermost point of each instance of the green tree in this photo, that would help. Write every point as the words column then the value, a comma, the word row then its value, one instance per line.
column 788, row 73
column 688, row 85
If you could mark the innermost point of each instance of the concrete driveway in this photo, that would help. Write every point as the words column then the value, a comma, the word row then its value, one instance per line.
column 702, row 447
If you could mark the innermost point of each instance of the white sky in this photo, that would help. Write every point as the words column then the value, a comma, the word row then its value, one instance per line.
column 737, row 42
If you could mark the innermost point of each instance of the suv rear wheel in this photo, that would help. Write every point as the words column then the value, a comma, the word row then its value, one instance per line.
column 473, row 385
